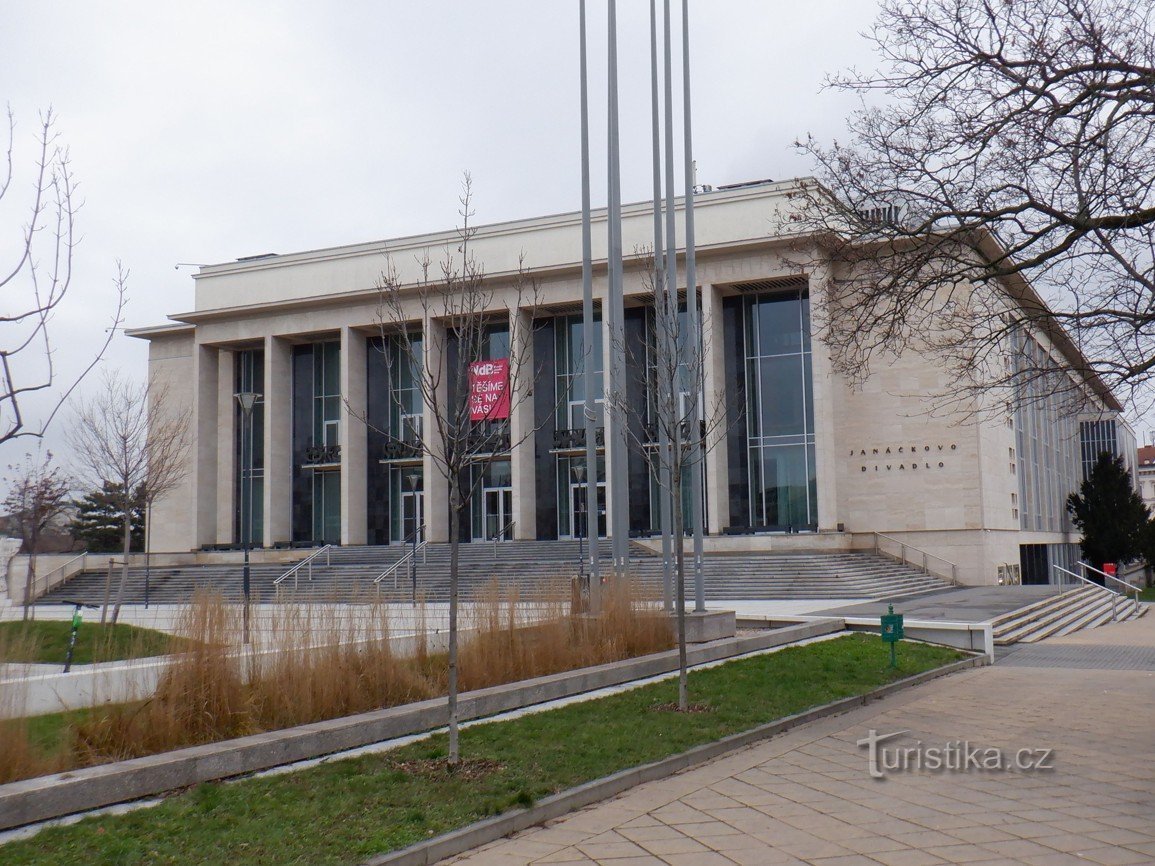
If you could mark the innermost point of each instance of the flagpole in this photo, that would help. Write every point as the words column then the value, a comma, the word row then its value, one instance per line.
column 588, row 334
column 692, row 315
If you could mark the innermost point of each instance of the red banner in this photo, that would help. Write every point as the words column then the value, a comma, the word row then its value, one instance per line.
column 489, row 390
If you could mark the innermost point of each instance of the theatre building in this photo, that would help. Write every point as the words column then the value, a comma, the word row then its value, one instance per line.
column 330, row 452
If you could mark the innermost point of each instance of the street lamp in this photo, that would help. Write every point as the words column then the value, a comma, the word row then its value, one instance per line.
column 412, row 483
column 247, row 400
column 579, row 475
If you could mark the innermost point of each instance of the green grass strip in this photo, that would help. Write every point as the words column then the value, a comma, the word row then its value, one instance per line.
column 46, row 642
column 349, row 810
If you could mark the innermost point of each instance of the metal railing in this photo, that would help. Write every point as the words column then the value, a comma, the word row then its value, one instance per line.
column 1064, row 574
column 949, row 573
column 410, row 559
column 295, row 571
column 42, row 584
column 1123, row 587
column 505, row 534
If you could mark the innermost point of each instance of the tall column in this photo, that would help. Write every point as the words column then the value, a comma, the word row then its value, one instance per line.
column 521, row 426
column 436, row 487
column 206, row 370
column 353, row 438
column 824, row 389
column 226, row 449
column 278, row 495
column 717, row 405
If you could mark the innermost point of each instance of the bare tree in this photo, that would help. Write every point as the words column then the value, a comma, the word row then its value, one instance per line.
column 132, row 439
column 999, row 142
column 37, row 494
column 35, row 281
column 674, row 429
column 455, row 307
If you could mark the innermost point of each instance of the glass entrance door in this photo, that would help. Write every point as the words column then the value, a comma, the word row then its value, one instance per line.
column 498, row 513
column 412, row 515
column 581, row 521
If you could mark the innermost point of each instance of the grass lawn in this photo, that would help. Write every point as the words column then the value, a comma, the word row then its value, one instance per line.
column 47, row 642
column 1148, row 594
column 347, row 811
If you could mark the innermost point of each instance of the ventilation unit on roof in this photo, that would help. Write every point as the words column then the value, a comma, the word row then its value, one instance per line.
column 884, row 215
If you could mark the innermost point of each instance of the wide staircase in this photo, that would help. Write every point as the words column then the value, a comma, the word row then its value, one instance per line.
column 526, row 568
column 1080, row 607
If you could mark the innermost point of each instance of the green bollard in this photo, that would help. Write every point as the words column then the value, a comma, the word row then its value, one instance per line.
column 892, row 632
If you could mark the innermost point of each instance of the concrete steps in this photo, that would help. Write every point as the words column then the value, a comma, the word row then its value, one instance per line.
column 1085, row 607
column 528, row 568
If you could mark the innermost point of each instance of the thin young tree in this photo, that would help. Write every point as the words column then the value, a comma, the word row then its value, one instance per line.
column 35, row 278
column 38, row 493
column 675, row 428
column 454, row 305
column 996, row 143
column 130, row 439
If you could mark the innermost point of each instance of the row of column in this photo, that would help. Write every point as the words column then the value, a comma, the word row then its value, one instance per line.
column 214, row 470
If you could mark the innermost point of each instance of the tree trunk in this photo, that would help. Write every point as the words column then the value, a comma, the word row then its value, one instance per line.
column 124, row 565
column 29, row 581
column 454, row 543
column 680, row 595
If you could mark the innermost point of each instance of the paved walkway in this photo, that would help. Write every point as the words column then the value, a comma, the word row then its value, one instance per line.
column 807, row 798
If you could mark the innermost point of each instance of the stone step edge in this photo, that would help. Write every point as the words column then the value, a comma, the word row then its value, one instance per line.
column 491, row 829
column 53, row 796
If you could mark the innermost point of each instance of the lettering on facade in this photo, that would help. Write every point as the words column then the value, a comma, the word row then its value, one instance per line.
column 902, row 458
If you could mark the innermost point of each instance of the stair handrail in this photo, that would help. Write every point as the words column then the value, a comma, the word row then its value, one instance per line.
column 409, row 557
column 501, row 535
column 926, row 555
column 1127, row 588
column 41, row 584
column 1115, row 595
column 1065, row 573
column 295, row 571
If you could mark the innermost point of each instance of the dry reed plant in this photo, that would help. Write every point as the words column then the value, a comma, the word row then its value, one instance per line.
column 19, row 756
column 317, row 661
column 514, row 640
column 325, row 661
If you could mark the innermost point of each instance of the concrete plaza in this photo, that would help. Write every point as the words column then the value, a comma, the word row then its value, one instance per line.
column 807, row 797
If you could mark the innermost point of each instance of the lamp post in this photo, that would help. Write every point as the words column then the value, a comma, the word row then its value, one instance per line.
column 412, row 480
column 247, row 400
column 579, row 475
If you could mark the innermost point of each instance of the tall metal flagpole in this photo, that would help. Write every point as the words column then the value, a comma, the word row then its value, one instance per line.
column 692, row 315
column 671, row 305
column 588, row 333
column 614, row 314
column 661, row 332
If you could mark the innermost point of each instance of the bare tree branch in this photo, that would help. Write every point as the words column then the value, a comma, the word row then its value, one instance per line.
column 998, row 143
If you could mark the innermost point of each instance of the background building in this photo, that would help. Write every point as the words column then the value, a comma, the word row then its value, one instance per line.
column 802, row 459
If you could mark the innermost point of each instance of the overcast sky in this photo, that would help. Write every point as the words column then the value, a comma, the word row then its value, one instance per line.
column 205, row 131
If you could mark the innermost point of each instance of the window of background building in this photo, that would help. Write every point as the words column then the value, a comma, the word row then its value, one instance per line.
column 780, row 410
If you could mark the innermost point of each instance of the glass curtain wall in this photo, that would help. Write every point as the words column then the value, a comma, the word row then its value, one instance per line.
column 682, row 388
column 1045, row 439
column 780, row 411
column 569, row 366
column 249, row 522
column 405, row 426
column 326, row 436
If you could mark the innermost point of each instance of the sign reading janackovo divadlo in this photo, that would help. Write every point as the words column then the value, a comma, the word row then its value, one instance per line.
column 489, row 390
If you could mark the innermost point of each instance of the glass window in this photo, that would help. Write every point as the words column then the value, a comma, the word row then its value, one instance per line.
column 780, row 410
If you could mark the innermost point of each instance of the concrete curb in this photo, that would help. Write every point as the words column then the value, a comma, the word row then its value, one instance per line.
column 492, row 829
column 54, row 796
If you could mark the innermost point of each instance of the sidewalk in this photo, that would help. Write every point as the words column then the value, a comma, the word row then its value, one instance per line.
column 807, row 797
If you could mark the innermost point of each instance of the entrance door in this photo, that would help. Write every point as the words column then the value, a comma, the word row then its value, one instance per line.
column 412, row 514
column 497, row 503
column 580, row 522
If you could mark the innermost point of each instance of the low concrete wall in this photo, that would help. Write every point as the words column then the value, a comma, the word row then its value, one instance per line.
column 53, row 796
column 120, row 682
